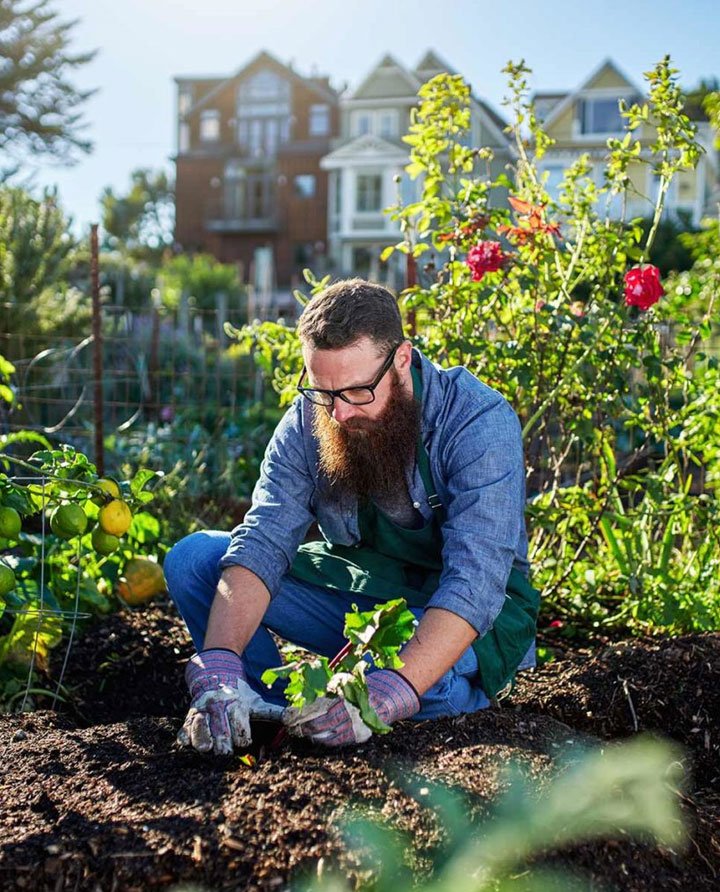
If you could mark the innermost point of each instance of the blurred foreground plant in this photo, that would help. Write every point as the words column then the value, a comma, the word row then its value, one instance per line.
column 625, row 790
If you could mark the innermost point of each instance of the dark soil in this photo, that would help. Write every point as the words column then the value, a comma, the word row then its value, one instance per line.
column 99, row 797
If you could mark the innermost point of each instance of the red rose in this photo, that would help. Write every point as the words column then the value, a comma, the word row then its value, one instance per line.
column 485, row 257
column 642, row 286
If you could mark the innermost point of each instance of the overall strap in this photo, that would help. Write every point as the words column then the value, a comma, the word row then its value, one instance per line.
column 422, row 457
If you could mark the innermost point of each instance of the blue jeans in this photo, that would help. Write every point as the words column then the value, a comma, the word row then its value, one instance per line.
column 304, row 614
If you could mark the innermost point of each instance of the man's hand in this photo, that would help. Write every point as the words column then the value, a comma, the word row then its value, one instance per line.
column 335, row 722
column 222, row 703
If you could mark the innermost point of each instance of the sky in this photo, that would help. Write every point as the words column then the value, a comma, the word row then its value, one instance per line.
column 143, row 44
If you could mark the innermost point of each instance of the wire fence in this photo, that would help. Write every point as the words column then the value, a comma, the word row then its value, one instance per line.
column 157, row 366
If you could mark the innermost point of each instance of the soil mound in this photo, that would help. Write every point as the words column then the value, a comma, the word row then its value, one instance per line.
column 101, row 797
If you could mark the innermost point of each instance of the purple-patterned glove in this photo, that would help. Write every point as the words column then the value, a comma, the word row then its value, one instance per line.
column 222, row 703
column 333, row 721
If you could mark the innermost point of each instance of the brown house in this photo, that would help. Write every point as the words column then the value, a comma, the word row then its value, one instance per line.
column 249, row 187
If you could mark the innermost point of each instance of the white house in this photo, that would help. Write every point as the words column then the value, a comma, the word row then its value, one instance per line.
column 368, row 157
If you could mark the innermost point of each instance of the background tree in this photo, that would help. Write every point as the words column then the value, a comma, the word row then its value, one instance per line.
column 36, row 257
column 141, row 221
column 39, row 106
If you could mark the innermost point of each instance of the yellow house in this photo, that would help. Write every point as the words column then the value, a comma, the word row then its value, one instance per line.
column 583, row 120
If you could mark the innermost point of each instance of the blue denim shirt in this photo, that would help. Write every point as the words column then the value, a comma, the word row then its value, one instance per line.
column 473, row 439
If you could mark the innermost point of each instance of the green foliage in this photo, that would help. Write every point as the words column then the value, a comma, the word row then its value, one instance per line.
column 274, row 346
column 209, row 463
column 379, row 633
column 626, row 790
column 590, row 376
column 36, row 254
column 59, row 579
column 6, row 371
column 40, row 112
column 141, row 221
column 201, row 278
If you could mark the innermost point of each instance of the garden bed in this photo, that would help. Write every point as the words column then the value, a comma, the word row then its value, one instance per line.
column 100, row 797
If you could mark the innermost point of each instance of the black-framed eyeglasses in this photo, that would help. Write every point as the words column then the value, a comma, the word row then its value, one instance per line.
column 356, row 396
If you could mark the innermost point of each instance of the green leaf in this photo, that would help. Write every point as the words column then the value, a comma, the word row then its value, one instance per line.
column 144, row 528
column 140, row 480
column 355, row 691
column 381, row 631
column 307, row 680
column 614, row 545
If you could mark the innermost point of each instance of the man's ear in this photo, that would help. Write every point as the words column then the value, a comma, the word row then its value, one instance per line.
column 403, row 356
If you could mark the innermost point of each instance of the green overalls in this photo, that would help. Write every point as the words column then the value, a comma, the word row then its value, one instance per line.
column 395, row 562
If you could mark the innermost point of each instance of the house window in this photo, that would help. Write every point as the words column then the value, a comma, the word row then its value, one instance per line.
column 184, row 101
column 369, row 192
column 260, row 197
column 388, row 125
column 601, row 116
column 361, row 260
column 362, row 124
column 304, row 185
column 210, row 125
column 265, row 84
column 263, row 113
column 319, row 120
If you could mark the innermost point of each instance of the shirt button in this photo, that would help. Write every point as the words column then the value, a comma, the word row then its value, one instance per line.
column 416, row 504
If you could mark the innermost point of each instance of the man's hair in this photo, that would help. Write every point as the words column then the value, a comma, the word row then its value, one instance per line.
column 348, row 310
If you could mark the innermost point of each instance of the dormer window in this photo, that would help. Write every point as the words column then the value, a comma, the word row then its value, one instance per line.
column 210, row 125
column 600, row 116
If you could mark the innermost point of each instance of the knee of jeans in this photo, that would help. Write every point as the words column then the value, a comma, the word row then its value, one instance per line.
column 178, row 563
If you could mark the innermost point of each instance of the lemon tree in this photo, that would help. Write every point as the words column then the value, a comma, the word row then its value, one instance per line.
column 77, row 562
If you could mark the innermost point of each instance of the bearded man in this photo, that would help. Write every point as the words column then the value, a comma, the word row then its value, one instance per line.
column 415, row 476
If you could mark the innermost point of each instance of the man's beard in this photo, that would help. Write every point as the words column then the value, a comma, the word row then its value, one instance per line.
column 368, row 457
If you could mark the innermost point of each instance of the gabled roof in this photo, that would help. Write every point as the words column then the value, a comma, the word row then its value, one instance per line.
column 570, row 98
column 373, row 147
column 430, row 65
column 387, row 66
column 492, row 119
column 263, row 57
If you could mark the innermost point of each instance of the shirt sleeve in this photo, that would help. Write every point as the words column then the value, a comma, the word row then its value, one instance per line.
column 484, row 476
column 267, row 540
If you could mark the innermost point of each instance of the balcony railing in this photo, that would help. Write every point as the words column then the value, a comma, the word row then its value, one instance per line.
column 226, row 216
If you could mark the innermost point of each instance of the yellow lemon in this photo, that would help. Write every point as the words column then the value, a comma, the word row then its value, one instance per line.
column 102, row 542
column 68, row 521
column 141, row 580
column 109, row 486
column 115, row 517
column 10, row 523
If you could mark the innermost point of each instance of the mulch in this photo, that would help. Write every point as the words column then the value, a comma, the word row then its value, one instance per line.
column 98, row 796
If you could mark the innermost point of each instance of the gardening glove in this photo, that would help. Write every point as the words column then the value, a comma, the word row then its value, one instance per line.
column 333, row 721
column 222, row 703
